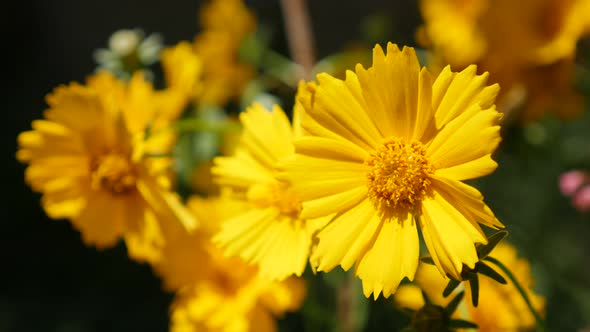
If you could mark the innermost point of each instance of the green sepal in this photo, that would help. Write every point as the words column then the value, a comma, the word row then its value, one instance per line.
column 454, row 303
column 486, row 270
column 484, row 250
column 474, row 285
column 461, row 324
column 451, row 286
column 427, row 260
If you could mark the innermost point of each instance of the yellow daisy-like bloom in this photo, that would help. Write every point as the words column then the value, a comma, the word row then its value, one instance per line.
column 216, row 293
column 235, row 299
column 91, row 160
column 209, row 70
column 500, row 308
column 270, row 234
column 510, row 40
column 182, row 69
column 188, row 256
column 225, row 25
column 387, row 149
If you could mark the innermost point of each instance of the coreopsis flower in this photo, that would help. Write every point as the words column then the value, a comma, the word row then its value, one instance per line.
column 387, row 150
column 234, row 298
column 500, row 308
column 182, row 69
column 516, row 42
column 209, row 70
column 189, row 256
column 225, row 23
column 270, row 233
column 91, row 158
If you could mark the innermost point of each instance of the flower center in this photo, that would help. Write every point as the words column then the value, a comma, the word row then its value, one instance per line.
column 113, row 172
column 399, row 178
column 278, row 195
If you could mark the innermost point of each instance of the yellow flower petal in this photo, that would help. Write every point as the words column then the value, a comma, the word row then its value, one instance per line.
column 315, row 177
column 453, row 145
column 392, row 257
column 390, row 89
column 469, row 170
column 466, row 89
column 344, row 240
column 102, row 221
column 327, row 205
column 280, row 246
column 322, row 147
column 340, row 109
column 473, row 206
column 449, row 236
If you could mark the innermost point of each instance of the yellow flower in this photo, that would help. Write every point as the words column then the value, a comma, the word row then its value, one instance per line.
column 234, row 299
column 387, row 149
column 230, row 16
column 209, row 70
column 188, row 256
column 270, row 234
column 509, row 39
column 91, row 160
column 182, row 69
column 216, row 293
column 500, row 308
column 225, row 25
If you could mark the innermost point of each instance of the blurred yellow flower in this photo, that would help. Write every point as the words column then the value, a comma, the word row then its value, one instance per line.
column 225, row 25
column 501, row 308
column 188, row 256
column 270, row 233
column 511, row 40
column 387, row 149
column 91, row 160
column 235, row 299
column 210, row 70
column 182, row 69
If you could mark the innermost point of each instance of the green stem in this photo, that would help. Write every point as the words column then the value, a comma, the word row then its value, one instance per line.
column 281, row 68
column 198, row 125
column 525, row 297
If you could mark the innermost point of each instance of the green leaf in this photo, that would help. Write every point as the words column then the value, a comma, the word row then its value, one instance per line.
column 427, row 260
column 484, row 250
column 486, row 270
column 426, row 299
column 474, row 284
column 461, row 324
column 454, row 303
column 451, row 287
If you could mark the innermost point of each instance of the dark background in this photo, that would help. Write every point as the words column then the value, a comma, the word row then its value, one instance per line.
column 49, row 280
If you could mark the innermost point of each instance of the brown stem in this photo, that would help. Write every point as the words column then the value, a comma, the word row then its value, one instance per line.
column 299, row 35
column 345, row 298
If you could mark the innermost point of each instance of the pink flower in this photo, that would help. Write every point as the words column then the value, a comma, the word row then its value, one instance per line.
column 570, row 182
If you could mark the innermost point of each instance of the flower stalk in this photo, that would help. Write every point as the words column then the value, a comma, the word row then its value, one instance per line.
column 299, row 35
column 525, row 297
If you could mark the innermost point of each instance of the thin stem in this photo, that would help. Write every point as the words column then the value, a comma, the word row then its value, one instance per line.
column 525, row 297
column 345, row 304
column 299, row 34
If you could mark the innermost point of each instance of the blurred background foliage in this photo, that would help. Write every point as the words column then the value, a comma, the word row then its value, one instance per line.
column 52, row 282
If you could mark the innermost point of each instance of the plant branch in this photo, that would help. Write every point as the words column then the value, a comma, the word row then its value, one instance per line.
column 525, row 297
column 299, row 35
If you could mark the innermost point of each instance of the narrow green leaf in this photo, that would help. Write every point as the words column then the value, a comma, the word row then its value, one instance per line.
column 461, row 324
column 474, row 284
column 486, row 270
column 484, row 250
column 426, row 299
column 452, row 306
column 427, row 260
column 451, row 287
